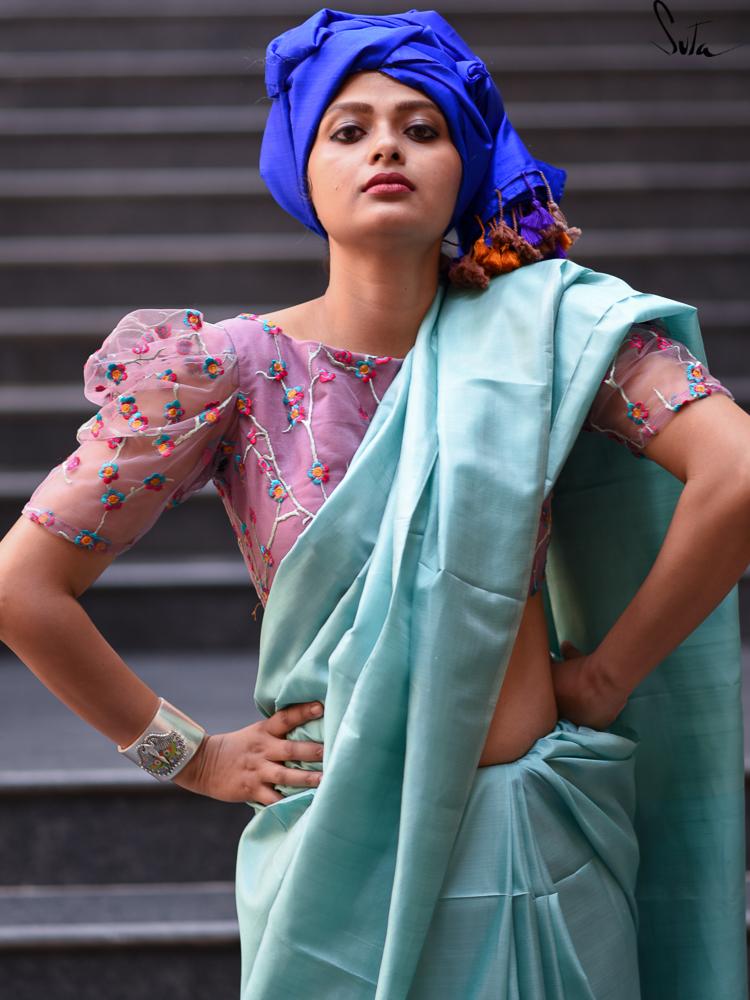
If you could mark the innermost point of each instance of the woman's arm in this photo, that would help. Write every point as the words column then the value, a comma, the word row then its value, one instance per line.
column 41, row 577
column 705, row 550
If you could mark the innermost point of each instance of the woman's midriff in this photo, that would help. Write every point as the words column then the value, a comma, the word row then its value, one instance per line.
column 526, row 708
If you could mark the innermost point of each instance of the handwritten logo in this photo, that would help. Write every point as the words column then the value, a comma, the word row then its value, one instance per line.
column 689, row 46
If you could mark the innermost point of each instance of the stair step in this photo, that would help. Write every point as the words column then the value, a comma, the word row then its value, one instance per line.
column 123, row 916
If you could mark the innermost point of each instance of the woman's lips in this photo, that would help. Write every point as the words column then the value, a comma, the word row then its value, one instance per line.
column 387, row 189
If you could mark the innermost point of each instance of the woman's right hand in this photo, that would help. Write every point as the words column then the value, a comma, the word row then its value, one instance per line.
column 243, row 765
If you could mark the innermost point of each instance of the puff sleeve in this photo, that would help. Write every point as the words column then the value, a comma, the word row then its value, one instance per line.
column 166, row 382
column 651, row 378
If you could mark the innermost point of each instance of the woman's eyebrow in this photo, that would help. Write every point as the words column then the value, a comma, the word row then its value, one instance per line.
column 411, row 105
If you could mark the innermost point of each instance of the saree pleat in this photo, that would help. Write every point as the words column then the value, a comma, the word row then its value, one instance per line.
column 398, row 606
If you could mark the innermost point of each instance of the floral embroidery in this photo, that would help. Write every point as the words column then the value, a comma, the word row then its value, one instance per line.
column 109, row 472
column 90, row 540
column 113, row 499
column 138, row 421
column 365, row 370
column 272, row 482
column 244, row 404
column 212, row 368
column 46, row 517
column 116, row 372
column 637, row 412
column 127, row 406
column 276, row 490
column 193, row 318
column 277, row 368
column 164, row 444
column 632, row 375
column 173, row 411
column 318, row 472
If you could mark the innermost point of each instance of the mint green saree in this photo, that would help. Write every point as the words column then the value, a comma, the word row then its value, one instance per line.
column 601, row 864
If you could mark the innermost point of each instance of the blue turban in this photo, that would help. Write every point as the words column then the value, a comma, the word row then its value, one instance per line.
column 306, row 66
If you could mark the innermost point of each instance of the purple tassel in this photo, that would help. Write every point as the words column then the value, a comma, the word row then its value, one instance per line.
column 531, row 226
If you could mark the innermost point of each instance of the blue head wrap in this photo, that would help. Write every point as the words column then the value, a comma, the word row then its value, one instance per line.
column 306, row 66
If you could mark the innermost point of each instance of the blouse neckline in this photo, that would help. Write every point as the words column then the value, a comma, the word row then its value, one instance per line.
column 328, row 347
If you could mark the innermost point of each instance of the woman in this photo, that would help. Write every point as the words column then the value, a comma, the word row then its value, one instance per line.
column 480, row 827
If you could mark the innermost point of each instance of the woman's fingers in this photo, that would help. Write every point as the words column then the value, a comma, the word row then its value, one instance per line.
column 277, row 774
column 294, row 750
column 291, row 716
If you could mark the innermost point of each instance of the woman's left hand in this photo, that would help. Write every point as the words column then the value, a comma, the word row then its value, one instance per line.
column 582, row 695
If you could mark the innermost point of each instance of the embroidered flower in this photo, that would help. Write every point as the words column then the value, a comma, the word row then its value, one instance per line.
column 225, row 447
column 252, row 436
column 293, row 394
column 277, row 491
column 210, row 413
column 72, row 463
column 212, row 367
column 163, row 330
column 167, row 375
column 113, row 442
column 699, row 389
column 116, row 372
column 263, row 465
column 326, row 376
column 108, row 472
column 383, row 359
column 141, row 347
column 244, row 403
column 113, row 499
column 239, row 465
column 637, row 412
column 184, row 345
column 127, row 406
column 277, row 368
column 266, row 554
column 46, row 517
column 164, row 445
column 155, row 481
column 97, row 422
column 269, row 326
column 138, row 421
column 251, row 515
column 663, row 343
column 193, row 318
column 318, row 472
column 295, row 414
column 173, row 411
column 694, row 372
column 345, row 357
column 365, row 370
column 90, row 540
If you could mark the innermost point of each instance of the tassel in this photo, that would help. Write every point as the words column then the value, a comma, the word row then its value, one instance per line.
column 464, row 272
column 556, row 237
column 507, row 239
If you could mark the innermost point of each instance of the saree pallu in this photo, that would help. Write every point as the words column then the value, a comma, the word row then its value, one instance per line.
column 398, row 606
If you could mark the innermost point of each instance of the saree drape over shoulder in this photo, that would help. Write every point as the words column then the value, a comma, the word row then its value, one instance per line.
column 398, row 607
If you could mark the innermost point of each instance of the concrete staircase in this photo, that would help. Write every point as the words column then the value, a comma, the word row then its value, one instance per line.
column 129, row 142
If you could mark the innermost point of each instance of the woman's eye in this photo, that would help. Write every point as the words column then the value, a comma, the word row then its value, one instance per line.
column 344, row 128
column 431, row 133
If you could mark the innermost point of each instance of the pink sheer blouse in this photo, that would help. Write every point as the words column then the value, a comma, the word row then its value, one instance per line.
column 274, row 422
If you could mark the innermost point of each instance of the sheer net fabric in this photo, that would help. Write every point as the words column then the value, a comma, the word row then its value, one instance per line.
column 274, row 422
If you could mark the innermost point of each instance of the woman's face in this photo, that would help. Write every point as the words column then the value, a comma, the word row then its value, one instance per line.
column 352, row 145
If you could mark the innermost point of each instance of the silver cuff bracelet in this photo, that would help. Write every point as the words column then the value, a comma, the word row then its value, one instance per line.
column 167, row 743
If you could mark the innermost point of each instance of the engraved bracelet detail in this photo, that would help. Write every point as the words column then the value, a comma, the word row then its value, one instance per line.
column 167, row 743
